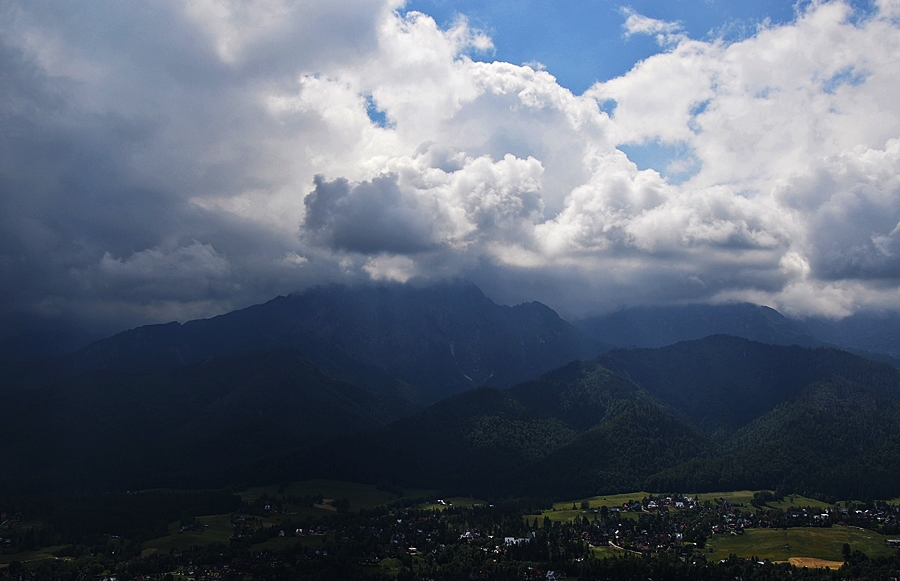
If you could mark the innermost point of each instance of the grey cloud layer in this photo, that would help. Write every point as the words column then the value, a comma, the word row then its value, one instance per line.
column 370, row 217
column 171, row 160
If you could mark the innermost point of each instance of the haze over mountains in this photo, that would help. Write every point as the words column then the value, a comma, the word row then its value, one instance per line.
column 335, row 382
column 871, row 335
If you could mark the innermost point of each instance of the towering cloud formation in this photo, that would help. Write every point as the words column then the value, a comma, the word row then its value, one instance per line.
column 180, row 159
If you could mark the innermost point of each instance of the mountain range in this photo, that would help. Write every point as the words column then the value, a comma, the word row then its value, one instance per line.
column 438, row 387
column 401, row 341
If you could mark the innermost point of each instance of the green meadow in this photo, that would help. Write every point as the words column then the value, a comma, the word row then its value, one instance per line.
column 28, row 558
column 793, row 501
column 733, row 497
column 213, row 529
column 783, row 544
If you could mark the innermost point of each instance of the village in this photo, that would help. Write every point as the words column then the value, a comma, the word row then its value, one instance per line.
column 510, row 539
column 434, row 539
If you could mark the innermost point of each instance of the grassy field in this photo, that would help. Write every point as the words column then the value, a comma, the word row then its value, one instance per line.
column 568, row 515
column 604, row 552
column 733, row 497
column 563, row 511
column 799, row 501
column 784, row 544
column 609, row 500
column 746, row 496
column 218, row 527
column 28, row 558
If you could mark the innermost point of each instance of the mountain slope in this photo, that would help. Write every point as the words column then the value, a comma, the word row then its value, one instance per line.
column 837, row 437
column 500, row 442
column 722, row 383
column 618, row 455
column 185, row 426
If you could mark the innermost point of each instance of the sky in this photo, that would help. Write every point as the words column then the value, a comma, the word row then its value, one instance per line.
column 170, row 160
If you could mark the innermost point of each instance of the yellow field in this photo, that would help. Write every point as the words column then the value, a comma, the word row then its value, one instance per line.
column 814, row 563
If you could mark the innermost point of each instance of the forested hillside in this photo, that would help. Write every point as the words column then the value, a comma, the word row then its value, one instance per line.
column 721, row 413
column 197, row 425
column 502, row 442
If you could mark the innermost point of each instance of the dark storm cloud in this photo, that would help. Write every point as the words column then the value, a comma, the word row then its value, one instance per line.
column 83, row 230
column 370, row 217
column 114, row 117
column 858, row 240
column 853, row 213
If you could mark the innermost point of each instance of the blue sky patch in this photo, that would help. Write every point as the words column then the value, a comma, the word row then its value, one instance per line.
column 583, row 41
column 677, row 163
column 608, row 106
column 847, row 76
column 376, row 115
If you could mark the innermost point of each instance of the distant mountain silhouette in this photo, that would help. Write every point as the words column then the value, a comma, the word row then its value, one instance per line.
column 874, row 332
column 876, row 336
column 658, row 326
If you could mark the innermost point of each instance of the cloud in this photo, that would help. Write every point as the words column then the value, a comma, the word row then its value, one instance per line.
column 665, row 32
column 370, row 217
column 852, row 204
column 183, row 159
column 181, row 263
